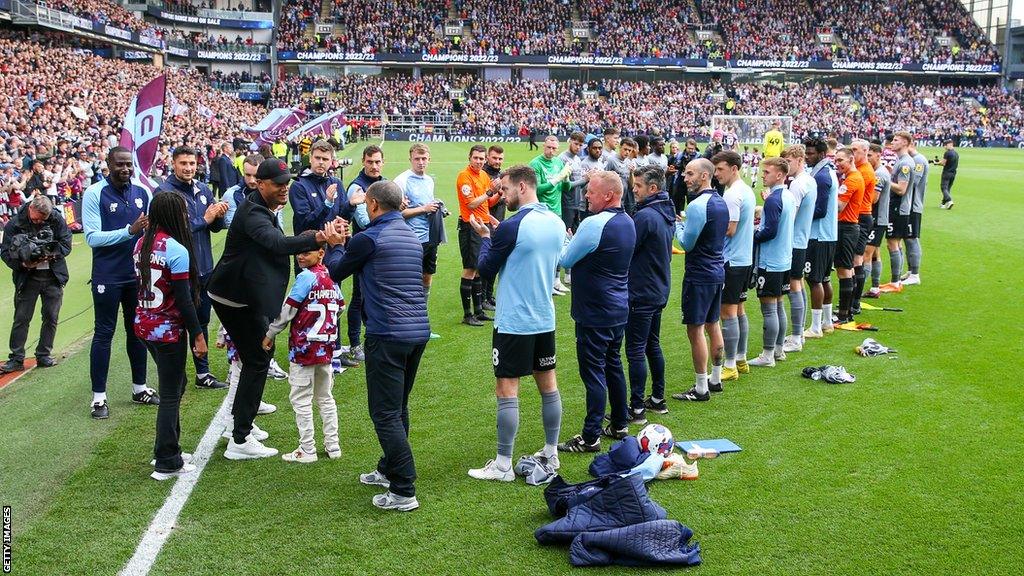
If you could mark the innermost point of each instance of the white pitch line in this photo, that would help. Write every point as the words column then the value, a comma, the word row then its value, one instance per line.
column 163, row 523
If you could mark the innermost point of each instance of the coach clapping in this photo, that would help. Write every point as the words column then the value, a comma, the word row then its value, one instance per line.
column 247, row 288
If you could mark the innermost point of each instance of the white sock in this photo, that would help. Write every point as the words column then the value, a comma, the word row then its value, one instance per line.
column 503, row 462
column 702, row 383
column 549, row 451
column 826, row 315
column 136, row 388
column 657, row 400
column 730, row 363
column 201, row 376
column 99, row 397
column 716, row 374
column 816, row 320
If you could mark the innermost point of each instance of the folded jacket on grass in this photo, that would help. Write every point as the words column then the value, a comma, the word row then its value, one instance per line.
column 623, row 502
column 655, row 543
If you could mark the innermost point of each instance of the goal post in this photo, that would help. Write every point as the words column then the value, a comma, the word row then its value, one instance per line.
column 751, row 129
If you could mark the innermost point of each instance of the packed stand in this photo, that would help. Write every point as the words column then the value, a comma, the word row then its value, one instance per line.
column 295, row 18
column 643, row 28
column 192, row 7
column 233, row 81
column 529, row 27
column 215, row 42
column 952, row 18
column 106, row 12
column 762, row 29
column 37, row 121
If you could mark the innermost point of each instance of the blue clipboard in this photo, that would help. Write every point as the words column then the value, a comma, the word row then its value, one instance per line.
column 720, row 445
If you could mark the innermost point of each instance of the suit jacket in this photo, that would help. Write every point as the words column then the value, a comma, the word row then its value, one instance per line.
column 223, row 173
column 255, row 267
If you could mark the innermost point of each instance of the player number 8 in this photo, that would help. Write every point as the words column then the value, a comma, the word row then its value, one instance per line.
column 807, row 267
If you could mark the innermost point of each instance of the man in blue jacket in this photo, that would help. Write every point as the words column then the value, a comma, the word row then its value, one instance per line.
column 388, row 258
column 650, row 276
column 702, row 234
column 205, row 215
column 113, row 217
column 599, row 255
column 313, row 194
column 223, row 174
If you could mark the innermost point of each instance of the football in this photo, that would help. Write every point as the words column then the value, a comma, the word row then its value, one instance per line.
column 656, row 438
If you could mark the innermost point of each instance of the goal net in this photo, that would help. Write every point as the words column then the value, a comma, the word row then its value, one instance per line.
column 751, row 129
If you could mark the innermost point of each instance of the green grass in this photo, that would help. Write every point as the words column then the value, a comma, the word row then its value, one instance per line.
column 913, row 469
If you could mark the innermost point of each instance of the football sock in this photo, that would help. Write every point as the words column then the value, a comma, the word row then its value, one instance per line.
column 731, row 335
column 488, row 289
column 551, row 414
column 845, row 295
column 702, row 383
column 201, row 376
column 101, row 397
column 876, row 273
column 896, row 264
column 466, row 292
column 478, row 295
column 796, row 312
column 741, row 345
column 508, row 426
column 913, row 254
column 716, row 373
column 826, row 315
column 781, row 312
column 816, row 320
column 770, row 330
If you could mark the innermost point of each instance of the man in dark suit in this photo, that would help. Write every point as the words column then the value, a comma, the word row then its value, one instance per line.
column 223, row 174
column 247, row 288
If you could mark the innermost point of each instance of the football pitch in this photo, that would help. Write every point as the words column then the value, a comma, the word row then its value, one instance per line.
column 913, row 469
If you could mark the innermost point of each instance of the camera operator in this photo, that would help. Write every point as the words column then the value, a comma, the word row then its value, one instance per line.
column 35, row 243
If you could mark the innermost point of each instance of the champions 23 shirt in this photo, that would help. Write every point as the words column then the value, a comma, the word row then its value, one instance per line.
column 314, row 331
column 157, row 319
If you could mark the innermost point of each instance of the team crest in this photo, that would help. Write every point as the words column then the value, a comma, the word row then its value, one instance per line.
column 919, row 168
column 113, row 206
column 203, row 199
column 905, row 170
column 138, row 203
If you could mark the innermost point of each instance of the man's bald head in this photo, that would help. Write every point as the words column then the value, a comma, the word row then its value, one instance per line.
column 698, row 175
column 604, row 190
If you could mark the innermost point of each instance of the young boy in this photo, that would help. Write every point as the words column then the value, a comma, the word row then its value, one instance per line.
column 312, row 307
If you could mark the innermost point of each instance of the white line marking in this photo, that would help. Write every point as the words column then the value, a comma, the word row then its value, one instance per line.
column 163, row 523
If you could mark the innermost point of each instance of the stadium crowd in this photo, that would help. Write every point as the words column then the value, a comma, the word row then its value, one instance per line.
column 675, row 109
column 876, row 30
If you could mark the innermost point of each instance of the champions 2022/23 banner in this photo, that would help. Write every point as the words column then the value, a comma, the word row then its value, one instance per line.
column 615, row 61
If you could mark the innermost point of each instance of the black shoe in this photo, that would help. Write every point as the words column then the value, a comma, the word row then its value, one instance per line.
column 11, row 366
column 100, row 411
column 483, row 317
column 692, row 396
column 208, row 382
column 472, row 321
column 613, row 433
column 347, row 361
column 656, row 407
column 487, row 306
column 578, row 444
column 45, row 362
column 854, row 310
column 713, row 387
column 147, row 396
column 490, row 300
column 637, row 416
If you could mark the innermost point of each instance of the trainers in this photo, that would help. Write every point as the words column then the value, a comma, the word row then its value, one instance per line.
column 346, row 360
column 434, row 335
column 357, row 353
column 391, row 501
column 637, row 416
column 275, row 371
column 715, row 387
column 334, row 453
column 375, row 478
column 692, row 395
column 765, row 360
column 185, row 469
column 336, row 366
column 100, row 410
column 912, row 280
column 265, row 409
column 45, row 362
column 487, row 306
column 185, row 457
column 552, row 461
column 873, row 292
column 656, row 407
column 556, row 292
column 812, row 333
column 613, row 433
column 730, row 374
column 560, row 287
column 481, row 316
column 147, row 396
column 208, row 382
column 792, row 344
column 742, row 367
column 780, row 354
column 578, row 444
column 251, row 449
column 471, row 321
column 891, row 288
column 828, row 329
column 257, row 432
column 300, row 457
column 491, row 471
column 12, row 366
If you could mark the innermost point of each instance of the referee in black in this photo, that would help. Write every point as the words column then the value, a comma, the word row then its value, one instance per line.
column 247, row 288
column 949, row 162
